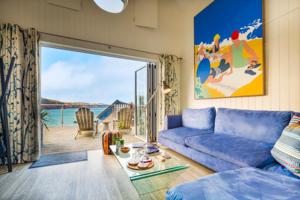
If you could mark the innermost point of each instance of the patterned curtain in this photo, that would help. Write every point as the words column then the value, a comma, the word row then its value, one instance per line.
column 22, row 90
column 169, row 71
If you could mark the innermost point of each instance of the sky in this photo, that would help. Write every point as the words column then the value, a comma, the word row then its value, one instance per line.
column 221, row 18
column 82, row 77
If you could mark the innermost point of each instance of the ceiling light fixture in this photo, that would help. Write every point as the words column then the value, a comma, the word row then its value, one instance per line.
column 112, row 6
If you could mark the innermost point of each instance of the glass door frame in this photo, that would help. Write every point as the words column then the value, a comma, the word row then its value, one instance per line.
column 152, row 107
column 136, row 120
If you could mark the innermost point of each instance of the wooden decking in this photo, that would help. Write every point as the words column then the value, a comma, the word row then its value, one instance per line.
column 61, row 139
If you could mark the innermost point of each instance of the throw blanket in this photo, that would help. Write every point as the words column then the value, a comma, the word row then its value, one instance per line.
column 240, row 184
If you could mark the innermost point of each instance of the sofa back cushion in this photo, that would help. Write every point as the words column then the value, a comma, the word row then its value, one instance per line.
column 263, row 126
column 199, row 118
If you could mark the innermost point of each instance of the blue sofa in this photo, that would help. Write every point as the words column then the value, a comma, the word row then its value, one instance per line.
column 226, row 140
column 229, row 139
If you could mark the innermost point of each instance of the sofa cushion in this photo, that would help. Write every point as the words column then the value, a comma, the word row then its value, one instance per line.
column 173, row 121
column 199, row 118
column 178, row 135
column 263, row 126
column 204, row 159
column 287, row 148
column 245, row 183
column 238, row 150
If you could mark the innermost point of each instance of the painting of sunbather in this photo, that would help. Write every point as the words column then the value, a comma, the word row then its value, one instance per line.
column 228, row 50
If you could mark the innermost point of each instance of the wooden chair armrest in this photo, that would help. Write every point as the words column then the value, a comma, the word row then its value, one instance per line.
column 96, row 125
column 115, row 124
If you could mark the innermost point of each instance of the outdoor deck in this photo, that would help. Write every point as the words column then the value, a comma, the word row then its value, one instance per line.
column 61, row 139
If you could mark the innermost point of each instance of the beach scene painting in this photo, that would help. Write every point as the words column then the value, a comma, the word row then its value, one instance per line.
column 228, row 50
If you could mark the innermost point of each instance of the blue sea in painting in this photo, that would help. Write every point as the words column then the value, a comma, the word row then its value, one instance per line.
column 225, row 16
column 54, row 116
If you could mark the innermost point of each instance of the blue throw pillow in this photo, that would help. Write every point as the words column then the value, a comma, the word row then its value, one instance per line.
column 199, row 118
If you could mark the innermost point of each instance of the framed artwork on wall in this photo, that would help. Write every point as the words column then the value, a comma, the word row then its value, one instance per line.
column 228, row 50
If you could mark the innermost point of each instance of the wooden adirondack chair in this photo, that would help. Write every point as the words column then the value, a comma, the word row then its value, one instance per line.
column 86, row 123
column 124, row 121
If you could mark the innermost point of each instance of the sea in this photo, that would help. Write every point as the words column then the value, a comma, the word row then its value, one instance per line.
column 54, row 116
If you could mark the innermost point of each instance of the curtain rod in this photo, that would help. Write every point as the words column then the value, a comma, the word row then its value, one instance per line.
column 100, row 43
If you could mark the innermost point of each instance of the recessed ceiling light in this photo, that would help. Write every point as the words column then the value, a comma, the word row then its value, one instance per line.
column 112, row 6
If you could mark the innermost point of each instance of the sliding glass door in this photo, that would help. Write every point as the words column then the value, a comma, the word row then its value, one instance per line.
column 140, row 101
column 145, row 85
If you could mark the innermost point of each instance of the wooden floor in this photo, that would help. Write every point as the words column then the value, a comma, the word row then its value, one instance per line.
column 61, row 139
column 101, row 177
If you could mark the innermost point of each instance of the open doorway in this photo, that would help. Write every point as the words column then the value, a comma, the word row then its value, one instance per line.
column 72, row 79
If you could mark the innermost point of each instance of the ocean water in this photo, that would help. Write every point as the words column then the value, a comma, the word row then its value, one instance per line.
column 54, row 116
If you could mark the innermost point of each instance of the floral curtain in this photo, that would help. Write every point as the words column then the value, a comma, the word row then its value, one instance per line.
column 21, row 94
column 169, row 71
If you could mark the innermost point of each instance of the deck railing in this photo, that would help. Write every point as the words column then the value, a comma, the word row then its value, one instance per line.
column 115, row 109
column 56, row 106
column 62, row 107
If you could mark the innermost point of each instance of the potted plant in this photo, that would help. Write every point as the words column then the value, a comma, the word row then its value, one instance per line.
column 44, row 120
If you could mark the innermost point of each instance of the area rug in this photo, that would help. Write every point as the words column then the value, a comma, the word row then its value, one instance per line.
column 60, row 158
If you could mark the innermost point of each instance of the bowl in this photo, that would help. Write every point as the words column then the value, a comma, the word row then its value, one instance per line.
column 125, row 149
column 133, row 162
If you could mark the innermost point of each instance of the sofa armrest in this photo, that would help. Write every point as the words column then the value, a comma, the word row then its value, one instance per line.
column 173, row 121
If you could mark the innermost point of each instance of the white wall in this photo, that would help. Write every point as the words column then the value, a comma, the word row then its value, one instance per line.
column 282, row 57
column 92, row 23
